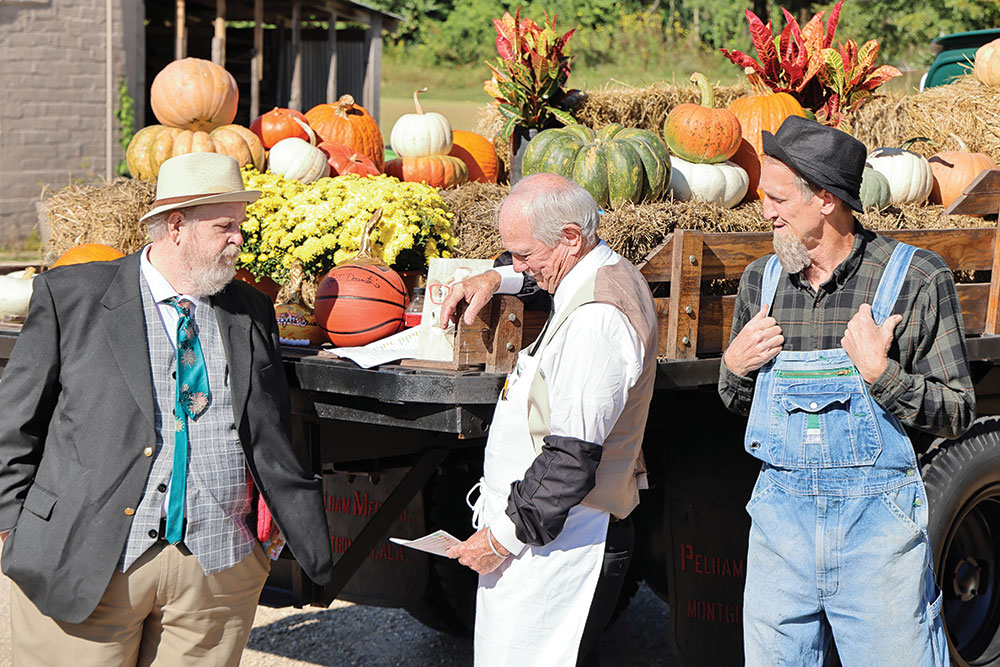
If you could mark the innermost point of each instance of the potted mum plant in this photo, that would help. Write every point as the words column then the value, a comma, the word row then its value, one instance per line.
column 528, row 82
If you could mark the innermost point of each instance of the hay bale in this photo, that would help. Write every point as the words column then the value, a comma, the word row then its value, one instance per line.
column 634, row 230
column 105, row 213
column 966, row 108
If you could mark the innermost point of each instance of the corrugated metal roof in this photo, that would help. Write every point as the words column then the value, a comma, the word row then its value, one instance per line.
column 242, row 10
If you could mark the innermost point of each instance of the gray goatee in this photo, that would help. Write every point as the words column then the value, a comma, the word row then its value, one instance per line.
column 792, row 253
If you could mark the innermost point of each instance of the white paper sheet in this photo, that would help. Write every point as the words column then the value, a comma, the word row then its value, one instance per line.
column 436, row 543
column 402, row 345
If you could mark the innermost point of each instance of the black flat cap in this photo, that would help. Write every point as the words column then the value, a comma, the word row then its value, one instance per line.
column 825, row 156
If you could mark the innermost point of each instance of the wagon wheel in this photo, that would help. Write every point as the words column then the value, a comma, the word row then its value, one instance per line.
column 963, row 489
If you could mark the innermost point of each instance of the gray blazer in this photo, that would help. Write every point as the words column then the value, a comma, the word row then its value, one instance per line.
column 76, row 413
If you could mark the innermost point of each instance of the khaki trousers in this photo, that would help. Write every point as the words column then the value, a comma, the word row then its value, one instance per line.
column 164, row 611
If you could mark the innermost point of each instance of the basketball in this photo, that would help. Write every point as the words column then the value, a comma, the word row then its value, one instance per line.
column 360, row 303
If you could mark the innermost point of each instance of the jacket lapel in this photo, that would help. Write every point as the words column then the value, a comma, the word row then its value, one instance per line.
column 234, row 327
column 124, row 326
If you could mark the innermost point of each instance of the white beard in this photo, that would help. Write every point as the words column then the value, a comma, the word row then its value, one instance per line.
column 210, row 274
column 792, row 253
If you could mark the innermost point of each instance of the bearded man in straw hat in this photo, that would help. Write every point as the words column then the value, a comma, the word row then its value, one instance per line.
column 144, row 433
column 839, row 340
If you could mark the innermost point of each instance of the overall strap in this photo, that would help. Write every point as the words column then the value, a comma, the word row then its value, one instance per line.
column 891, row 282
column 769, row 282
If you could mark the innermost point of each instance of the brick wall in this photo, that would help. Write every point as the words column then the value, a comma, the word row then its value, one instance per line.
column 53, row 98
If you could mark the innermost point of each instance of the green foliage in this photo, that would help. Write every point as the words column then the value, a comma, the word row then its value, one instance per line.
column 125, row 113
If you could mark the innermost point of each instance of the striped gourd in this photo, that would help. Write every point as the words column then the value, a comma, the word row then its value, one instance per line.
column 615, row 165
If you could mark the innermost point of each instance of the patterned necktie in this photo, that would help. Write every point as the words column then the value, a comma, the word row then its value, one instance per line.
column 190, row 400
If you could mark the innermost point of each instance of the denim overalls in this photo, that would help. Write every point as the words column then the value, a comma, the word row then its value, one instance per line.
column 838, row 540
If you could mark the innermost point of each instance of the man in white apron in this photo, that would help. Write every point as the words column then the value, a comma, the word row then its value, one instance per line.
column 839, row 340
column 563, row 460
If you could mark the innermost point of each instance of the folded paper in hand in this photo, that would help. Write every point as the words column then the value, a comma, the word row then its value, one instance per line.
column 436, row 543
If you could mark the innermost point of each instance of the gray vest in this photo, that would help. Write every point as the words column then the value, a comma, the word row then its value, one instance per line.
column 218, row 500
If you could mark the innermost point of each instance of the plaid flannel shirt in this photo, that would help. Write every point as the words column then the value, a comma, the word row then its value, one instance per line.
column 926, row 384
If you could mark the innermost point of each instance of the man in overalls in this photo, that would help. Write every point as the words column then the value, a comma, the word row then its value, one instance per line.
column 563, row 460
column 839, row 341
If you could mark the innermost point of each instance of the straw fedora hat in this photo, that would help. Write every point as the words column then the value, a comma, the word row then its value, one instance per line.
column 194, row 179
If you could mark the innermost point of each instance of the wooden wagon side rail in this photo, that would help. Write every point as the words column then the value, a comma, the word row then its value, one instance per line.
column 694, row 323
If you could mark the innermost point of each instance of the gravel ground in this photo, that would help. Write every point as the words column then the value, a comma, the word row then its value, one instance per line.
column 347, row 634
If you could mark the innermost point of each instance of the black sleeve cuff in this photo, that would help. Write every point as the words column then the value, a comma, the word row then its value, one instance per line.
column 559, row 478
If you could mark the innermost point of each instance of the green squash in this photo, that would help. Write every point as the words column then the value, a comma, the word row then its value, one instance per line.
column 615, row 164
column 875, row 193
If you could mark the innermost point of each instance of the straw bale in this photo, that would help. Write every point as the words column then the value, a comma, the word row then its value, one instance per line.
column 966, row 108
column 106, row 213
column 634, row 230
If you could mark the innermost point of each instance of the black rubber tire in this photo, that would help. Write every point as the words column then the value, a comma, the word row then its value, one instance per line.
column 963, row 490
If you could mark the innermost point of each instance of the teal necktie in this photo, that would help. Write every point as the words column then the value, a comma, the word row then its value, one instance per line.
column 190, row 400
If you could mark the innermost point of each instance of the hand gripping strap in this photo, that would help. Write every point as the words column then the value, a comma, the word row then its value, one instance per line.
column 891, row 282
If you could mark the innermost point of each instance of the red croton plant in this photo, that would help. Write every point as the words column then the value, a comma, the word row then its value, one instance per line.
column 830, row 81
column 528, row 77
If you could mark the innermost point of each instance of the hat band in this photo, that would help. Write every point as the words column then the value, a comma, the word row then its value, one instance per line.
column 167, row 201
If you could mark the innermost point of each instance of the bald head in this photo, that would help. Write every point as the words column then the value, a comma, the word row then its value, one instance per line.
column 549, row 202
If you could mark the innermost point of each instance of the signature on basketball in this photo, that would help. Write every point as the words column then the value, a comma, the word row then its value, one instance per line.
column 366, row 279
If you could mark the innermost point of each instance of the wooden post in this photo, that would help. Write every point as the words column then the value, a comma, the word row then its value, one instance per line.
column 982, row 197
column 295, row 94
column 373, row 71
column 685, row 295
column 257, row 60
column 219, row 40
column 180, row 30
column 993, row 304
column 507, row 319
column 331, row 50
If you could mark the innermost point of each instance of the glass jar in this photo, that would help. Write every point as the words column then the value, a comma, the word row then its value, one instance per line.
column 414, row 311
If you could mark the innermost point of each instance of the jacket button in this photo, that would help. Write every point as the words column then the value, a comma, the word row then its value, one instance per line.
column 910, row 472
column 918, row 502
column 152, row 534
column 147, row 452
column 232, row 427
column 129, row 511
column 754, row 445
column 813, row 405
column 161, row 487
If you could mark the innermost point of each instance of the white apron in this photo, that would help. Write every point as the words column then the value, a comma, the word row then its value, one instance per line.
column 533, row 608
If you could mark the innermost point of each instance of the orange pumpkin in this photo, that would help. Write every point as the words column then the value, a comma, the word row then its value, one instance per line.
column 478, row 154
column 278, row 124
column 954, row 171
column 264, row 283
column 700, row 133
column 88, row 252
column 759, row 111
column 344, row 160
column 440, row 171
column 987, row 65
column 345, row 122
column 194, row 94
column 153, row 145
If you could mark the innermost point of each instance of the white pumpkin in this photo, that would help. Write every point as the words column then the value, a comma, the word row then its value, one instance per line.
column 723, row 183
column 298, row 159
column 909, row 174
column 421, row 134
column 15, row 294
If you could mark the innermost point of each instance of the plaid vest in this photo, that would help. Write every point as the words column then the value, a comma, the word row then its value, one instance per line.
column 218, row 500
